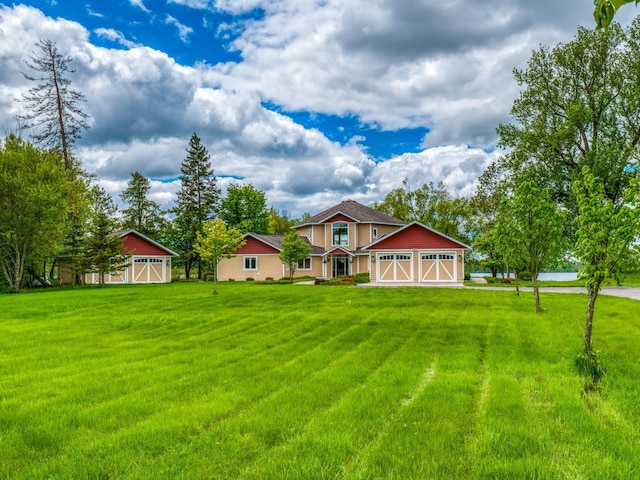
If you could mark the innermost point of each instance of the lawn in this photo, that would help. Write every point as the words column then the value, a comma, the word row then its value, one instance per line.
column 299, row 381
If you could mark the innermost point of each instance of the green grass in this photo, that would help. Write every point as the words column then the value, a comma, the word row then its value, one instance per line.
column 295, row 381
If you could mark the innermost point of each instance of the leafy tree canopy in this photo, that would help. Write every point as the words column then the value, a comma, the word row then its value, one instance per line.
column 245, row 208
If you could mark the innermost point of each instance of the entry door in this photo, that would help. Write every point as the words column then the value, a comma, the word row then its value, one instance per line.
column 340, row 265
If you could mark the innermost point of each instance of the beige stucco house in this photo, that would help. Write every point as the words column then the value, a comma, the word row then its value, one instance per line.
column 351, row 238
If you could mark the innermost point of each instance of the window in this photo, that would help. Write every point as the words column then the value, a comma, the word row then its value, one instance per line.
column 140, row 260
column 403, row 257
column 375, row 233
column 340, row 233
column 386, row 257
column 305, row 264
column 310, row 236
column 430, row 256
column 446, row 256
column 250, row 263
column 155, row 260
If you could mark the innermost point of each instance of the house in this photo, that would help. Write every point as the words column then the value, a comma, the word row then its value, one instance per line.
column 351, row 238
column 149, row 262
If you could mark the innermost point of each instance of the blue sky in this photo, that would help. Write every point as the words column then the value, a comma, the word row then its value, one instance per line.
column 312, row 101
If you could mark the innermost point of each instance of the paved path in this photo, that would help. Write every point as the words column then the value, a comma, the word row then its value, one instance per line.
column 625, row 292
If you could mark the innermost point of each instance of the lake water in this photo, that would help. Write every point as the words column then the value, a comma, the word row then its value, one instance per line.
column 554, row 276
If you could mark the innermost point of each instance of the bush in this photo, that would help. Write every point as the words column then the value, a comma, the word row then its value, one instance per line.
column 490, row 279
column 249, row 279
column 526, row 276
column 206, row 275
column 505, row 280
column 362, row 278
column 467, row 276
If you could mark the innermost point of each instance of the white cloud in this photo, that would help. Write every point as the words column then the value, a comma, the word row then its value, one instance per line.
column 140, row 5
column 115, row 36
column 183, row 30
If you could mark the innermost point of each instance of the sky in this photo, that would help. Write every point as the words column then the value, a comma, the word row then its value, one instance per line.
column 311, row 101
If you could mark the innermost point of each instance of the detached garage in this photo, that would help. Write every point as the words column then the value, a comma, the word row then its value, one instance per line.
column 150, row 262
column 416, row 253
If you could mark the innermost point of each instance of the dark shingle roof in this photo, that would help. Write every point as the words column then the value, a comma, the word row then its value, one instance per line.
column 357, row 211
column 275, row 241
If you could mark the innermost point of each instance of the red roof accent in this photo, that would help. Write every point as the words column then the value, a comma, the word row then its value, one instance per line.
column 255, row 247
column 415, row 237
column 137, row 245
column 339, row 218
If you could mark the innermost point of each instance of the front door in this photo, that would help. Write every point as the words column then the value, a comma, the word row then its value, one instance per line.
column 339, row 265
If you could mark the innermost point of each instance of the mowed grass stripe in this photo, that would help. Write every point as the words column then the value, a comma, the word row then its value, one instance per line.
column 309, row 382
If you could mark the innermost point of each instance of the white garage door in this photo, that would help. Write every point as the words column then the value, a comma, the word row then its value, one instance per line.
column 438, row 267
column 395, row 267
column 148, row 269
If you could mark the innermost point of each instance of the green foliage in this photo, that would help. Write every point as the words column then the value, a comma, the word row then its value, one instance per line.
column 103, row 251
column 279, row 223
column 432, row 206
column 591, row 365
column 362, row 277
column 245, row 208
column 606, row 9
column 216, row 242
column 34, row 207
column 294, row 250
column 197, row 202
column 141, row 214
column 529, row 231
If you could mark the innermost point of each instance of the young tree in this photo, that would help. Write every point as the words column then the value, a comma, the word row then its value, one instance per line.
column 294, row 250
column 529, row 231
column 245, row 208
column 606, row 234
column 103, row 249
column 198, row 199
column 141, row 214
column 53, row 106
column 34, row 207
column 216, row 242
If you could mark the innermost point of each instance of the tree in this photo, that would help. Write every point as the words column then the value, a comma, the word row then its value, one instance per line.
column 294, row 250
column 34, row 206
column 279, row 222
column 245, row 208
column 529, row 231
column 579, row 106
column 431, row 205
column 606, row 9
column 198, row 199
column 53, row 105
column 606, row 233
column 142, row 214
column 103, row 246
column 216, row 242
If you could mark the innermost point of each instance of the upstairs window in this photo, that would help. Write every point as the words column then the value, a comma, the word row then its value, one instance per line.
column 340, row 233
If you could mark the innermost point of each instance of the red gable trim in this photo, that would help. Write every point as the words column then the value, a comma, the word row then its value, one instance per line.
column 256, row 247
column 416, row 236
column 339, row 217
column 136, row 245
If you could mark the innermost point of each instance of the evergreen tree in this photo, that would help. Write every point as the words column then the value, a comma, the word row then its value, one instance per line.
column 197, row 201
column 141, row 214
column 103, row 246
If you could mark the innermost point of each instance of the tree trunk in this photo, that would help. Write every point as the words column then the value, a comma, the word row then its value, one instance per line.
column 215, row 278
column 536, row 293
column 588, row 326
column 515, row 276
column 187, row 269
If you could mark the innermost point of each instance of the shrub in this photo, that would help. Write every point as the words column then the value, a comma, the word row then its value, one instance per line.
column 490, row 279
column 526, row 276
column 362, row 278
column 206, row 275
column 268, row 279
column 249, row 279
column 505, row 280
column 467, row 276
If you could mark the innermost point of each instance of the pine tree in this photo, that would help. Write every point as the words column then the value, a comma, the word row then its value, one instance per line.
column 142, row 214
column 197, row 201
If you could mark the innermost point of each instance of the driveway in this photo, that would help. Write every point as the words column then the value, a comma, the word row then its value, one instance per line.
column 625, row 292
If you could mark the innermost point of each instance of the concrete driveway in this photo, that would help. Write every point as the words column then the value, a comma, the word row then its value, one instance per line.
column 625, row 292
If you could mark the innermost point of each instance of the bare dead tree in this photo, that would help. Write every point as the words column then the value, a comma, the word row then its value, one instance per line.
column 52, row 105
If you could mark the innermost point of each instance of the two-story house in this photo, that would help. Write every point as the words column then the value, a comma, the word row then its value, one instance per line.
column 351, row 238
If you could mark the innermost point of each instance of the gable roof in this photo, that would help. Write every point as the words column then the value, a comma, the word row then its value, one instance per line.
column 355, row 211
column 131, row 231
column 275, row 241
column 399, row 232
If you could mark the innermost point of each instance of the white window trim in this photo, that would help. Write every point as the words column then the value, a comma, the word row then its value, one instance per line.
column 310, row 264
column 333, row 236
column 244, row 263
